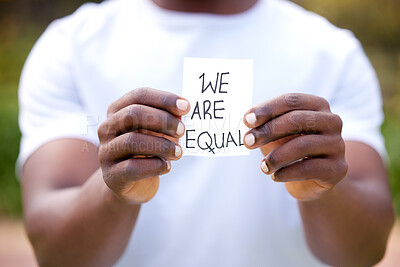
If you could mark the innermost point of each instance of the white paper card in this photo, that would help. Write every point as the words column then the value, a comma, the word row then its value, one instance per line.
column 219, row 92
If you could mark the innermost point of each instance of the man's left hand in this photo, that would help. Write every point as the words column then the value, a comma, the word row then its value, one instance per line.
column 302, row 143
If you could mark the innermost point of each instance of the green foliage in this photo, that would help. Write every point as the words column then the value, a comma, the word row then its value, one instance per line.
column 10, row 199
column 387, row 66
column 391, row 130
column 12, row 56
column 21, row 24
column 375, row 22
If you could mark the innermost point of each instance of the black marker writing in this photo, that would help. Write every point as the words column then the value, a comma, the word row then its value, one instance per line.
column 203, row 111
column 217, row 81
column 209, row 110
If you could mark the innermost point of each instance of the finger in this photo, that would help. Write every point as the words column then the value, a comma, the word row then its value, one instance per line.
column 275, row 107
column 170, row 138
column 135, row 117
column 326, row 170
column 301, row 147
column 294, row 122
column 154, row 98
column 137, row 144
column 127, row 171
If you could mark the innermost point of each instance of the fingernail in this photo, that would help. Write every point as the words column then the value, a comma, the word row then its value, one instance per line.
column 249, row 139
column 178, row 151
column 264, row 167
column 180, row 129
column 251, row 118
column 168, row 165
column 182, row 104
column 273, row 176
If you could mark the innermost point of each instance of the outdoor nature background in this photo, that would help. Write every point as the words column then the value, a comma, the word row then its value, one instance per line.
column 375, row 23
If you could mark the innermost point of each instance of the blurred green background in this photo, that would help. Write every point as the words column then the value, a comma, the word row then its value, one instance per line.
column 375, row 23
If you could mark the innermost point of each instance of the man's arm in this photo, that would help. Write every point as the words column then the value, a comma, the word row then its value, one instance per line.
column 72, row 218
column 345, row 204
column 81, row 205
column 350, row 225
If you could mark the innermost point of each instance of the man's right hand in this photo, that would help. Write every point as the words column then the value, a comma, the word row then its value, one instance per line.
column 68, row 199
column 137, row 141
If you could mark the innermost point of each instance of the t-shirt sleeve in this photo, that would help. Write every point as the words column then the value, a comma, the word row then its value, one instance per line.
column 49, row 102
column 358, row 101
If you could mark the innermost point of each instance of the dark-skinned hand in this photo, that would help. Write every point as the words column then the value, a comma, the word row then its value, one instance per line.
column 138, row 140
column 301, row 141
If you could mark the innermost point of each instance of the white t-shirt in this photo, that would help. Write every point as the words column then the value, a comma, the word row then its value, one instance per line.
column 207, row 212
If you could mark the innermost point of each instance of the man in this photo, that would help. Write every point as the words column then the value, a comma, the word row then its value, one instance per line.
column 119, row 63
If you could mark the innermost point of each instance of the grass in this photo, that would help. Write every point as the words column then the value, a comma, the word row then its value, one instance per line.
column 15, row 46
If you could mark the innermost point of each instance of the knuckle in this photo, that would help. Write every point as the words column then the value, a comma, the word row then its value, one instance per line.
column 151, row 167
column 335, row 169
column 113, row 107
column 172, row 123
column 146, row 117
column 163, row 120
column 295, row 119
column 293, row 100
column 335, row 123
column 340, row 146
column 267, row 129
column 110, row 110
column 304, row 143
column 168, row 148
column 131, row 142
column 277, row 176
column 339, row 122
column 311, row 123
column 165, row 100
column 108, row 179
column 141, row 93
column 134, row 110
column 128, row 171
column 102, row 155
column 157, row 146
column 344, row 168
column 324, row 103
column 100, row 132
column 307, row 167
column 339, row 169
column 131, row 116
column 272, row 160
column 330, row 168
column 160, row 166
column 111, row 178
column 266, row 110
column 153, row 147
column 104, row 131
column 310, row 167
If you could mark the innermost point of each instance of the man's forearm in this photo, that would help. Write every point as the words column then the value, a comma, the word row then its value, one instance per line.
column 349, row 226
column 80, row 226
